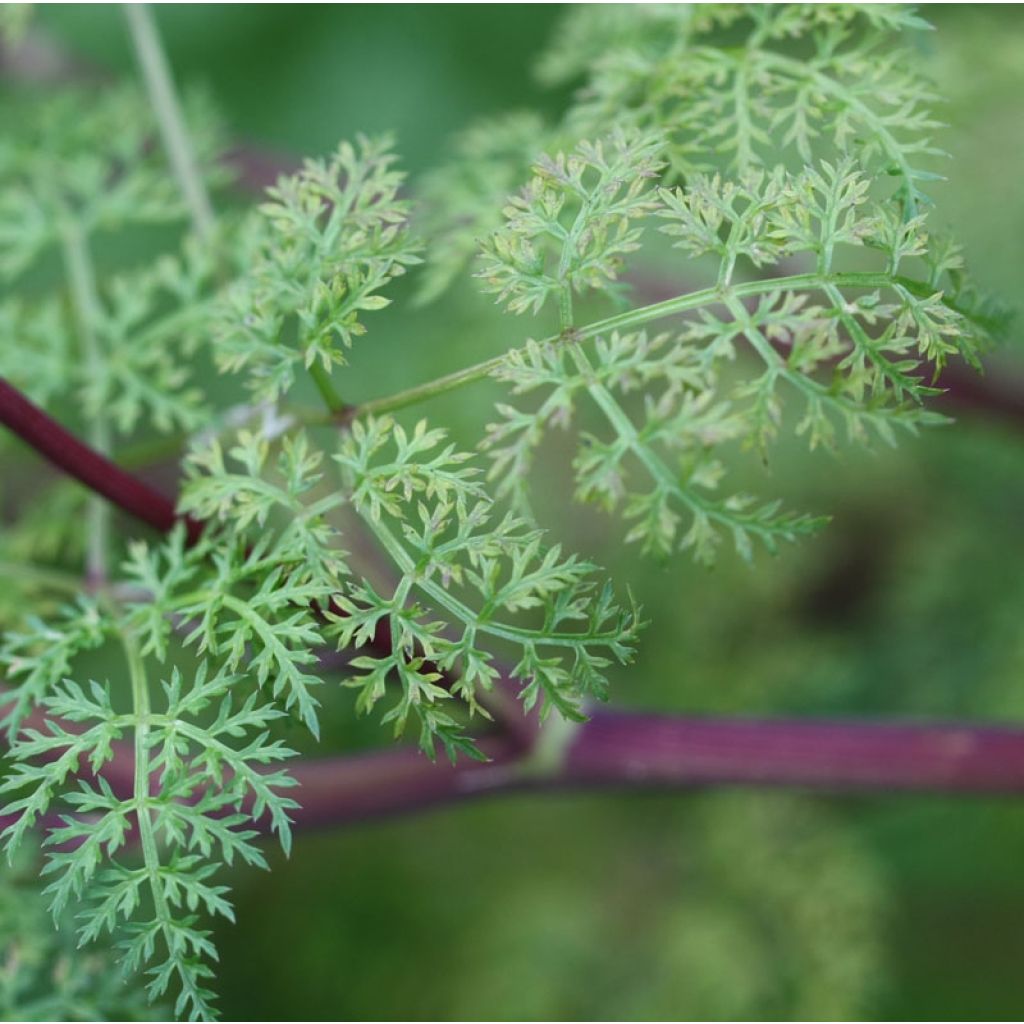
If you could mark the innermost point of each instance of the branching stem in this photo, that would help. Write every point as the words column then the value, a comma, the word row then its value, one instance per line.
column 437, row 593
column 621, row 321
column 140, row 780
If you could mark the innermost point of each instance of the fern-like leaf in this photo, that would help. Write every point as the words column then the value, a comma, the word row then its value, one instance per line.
column 757, row 103
column 328, row 240
column 471, row 581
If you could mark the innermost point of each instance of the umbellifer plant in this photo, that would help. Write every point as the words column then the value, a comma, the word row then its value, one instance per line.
column 776, row 161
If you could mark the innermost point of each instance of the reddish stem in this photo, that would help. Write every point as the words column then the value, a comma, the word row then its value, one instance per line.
column 617, row 750
column 612, row 749
column 621, row 751
column 39, row 430
column 652, row 750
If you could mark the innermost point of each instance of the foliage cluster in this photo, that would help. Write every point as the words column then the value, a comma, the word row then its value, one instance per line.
column 773, row 159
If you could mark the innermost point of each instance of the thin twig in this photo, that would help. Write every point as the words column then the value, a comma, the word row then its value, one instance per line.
column 160, row 86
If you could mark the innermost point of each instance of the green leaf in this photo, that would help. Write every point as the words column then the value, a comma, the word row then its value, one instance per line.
column 328, row 240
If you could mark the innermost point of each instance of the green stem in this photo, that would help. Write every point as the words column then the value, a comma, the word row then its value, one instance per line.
column 332, row 399
column 634, row 318
column 626, row 430
column 86, row 304
column 514, row 634
column 630, row 318
column 140, row 790
column 160, row 86
column 431, row 389
column 868, row 349
column 811, row 389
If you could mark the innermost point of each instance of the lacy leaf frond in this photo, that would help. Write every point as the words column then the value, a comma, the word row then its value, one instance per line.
column 804, row 81
column 846, row 285
column 855, row 346
column 655, row 467
column 149, row 325
column 570, row 228
column 471, row 581
column 248, row 593
column 87, row 158
column 217, row 771
column 327, row 242
column 38, row 655
column 85, row 166
column 244, row 488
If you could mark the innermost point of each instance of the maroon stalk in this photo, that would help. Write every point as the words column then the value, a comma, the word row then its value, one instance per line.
column 623, row 751
column 652, row 750
column 39, row 430
column 616, row 750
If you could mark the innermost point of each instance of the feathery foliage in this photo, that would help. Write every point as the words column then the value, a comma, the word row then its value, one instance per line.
column 770, row 159
column 205, row 767
column 746, row 86
column 570, row 228
column 330, row 238
column 439, row 530
column 851, row 345
column 458, row 540
column 76, row 169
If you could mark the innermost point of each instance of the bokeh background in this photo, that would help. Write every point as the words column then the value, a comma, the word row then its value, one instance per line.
column 712, row 905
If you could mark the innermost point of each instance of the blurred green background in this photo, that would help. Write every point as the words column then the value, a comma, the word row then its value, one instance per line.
column 715, row 905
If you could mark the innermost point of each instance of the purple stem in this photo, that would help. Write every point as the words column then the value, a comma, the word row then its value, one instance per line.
column 612, row 749
column 651, row 750
column 39, row 430
column 621, row 751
